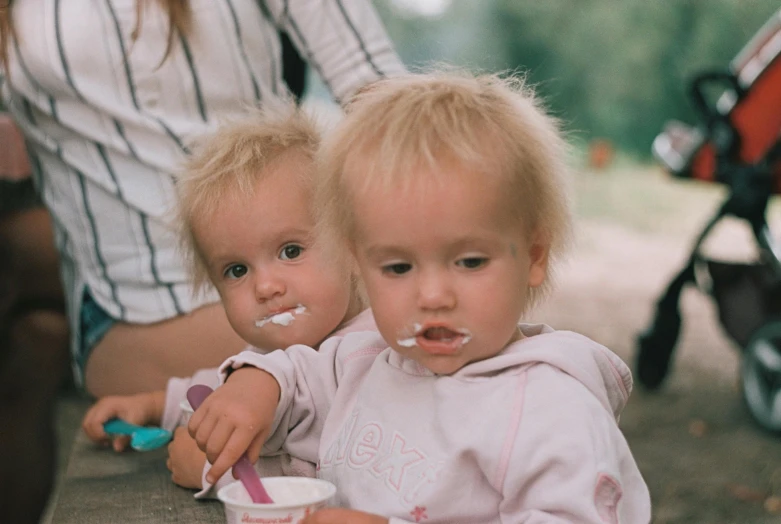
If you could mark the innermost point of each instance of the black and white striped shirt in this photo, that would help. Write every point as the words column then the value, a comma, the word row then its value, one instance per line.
column 107, row 123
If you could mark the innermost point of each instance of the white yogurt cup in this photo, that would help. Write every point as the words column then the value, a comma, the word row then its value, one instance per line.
column 294, row 498
column 187, row 412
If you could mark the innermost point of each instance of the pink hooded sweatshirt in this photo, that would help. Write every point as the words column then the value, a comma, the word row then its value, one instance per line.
column 529, row 435
column 276, row 465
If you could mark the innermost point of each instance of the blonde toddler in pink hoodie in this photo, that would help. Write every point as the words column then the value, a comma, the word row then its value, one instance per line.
column 249, row 229
column 447, row 191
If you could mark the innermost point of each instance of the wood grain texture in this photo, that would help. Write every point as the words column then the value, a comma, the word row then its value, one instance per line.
column 101, row 486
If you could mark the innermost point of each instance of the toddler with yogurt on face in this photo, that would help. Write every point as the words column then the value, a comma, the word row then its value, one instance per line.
column 245, row 207
column 447, row 190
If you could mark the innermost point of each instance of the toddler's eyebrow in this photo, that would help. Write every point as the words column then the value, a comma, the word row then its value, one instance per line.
column 295, row 234
column 375, row 251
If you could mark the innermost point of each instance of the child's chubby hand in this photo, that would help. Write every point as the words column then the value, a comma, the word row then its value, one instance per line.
column 141, row 409
column 343, row 516
column 235, row 419
column 185, row 460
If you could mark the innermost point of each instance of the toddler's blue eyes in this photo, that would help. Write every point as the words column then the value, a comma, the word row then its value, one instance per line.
column 397, row 269
column 236, row 271
column 472, row 263
column 291, row 251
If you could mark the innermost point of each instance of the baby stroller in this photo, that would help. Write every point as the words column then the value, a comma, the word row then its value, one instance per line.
column 737, row 144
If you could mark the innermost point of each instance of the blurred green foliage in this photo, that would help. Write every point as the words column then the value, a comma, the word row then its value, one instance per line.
column 608, row 68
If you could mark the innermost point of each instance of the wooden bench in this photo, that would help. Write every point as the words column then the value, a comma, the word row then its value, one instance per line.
column 101, row 486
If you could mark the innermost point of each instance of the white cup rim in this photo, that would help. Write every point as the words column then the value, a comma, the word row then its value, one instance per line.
column 330, row 491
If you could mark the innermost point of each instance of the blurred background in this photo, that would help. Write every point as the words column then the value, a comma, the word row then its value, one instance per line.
column 609, row 69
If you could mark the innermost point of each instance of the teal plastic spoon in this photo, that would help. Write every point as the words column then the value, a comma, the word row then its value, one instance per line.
column 142, row 438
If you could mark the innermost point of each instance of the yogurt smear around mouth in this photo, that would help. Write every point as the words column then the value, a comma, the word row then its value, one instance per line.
column 408, row 342
column 282, row 319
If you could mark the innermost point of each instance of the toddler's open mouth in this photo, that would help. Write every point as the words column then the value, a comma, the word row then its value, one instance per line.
column 436, row 339
column 283, row 318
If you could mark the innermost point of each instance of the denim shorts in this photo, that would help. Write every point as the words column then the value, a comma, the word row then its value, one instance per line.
column 95, row 323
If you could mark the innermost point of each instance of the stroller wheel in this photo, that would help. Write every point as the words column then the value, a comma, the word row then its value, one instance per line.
column 761, row 375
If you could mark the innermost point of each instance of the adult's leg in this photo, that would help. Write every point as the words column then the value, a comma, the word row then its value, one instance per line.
column 27, row 464
column 132, row 358
column 33, row 361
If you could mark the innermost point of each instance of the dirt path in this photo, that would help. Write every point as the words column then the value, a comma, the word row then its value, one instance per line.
column 702, row 456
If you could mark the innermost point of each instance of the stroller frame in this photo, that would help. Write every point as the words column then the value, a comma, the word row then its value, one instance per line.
column 739, row 145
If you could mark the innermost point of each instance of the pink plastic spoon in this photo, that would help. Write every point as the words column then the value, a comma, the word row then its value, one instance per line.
column 243, row 469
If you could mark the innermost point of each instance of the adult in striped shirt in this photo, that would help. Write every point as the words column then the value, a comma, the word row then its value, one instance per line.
column 109, row 93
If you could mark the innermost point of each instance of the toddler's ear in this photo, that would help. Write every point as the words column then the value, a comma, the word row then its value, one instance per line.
column 539, row 253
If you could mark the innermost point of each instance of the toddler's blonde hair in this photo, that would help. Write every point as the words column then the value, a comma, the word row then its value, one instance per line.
column 228, row 164
column 400, row 128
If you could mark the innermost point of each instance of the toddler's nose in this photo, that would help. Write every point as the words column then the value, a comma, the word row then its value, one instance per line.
column 268, row 286
column 435, row 291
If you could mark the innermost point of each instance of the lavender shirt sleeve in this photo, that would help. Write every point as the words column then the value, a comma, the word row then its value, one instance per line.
column 176, row 392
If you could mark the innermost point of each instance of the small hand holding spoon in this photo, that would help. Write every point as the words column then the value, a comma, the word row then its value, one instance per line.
column 243, row 469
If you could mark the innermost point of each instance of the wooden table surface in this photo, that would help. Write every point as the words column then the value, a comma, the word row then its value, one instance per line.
column 101, row 486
